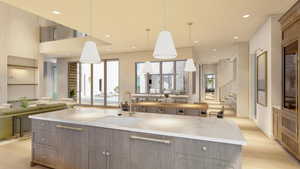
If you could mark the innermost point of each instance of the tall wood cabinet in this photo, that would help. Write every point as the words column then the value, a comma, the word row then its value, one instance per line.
column 286, row 121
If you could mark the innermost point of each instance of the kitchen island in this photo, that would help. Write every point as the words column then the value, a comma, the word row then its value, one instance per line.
column 87, row 138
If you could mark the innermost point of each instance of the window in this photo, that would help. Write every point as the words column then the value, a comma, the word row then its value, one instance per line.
column 180, row 77
column 154, row 78
column 141, row 78
column 98, row 84
column 86, row 78
column 166, row 77
column 112, row 72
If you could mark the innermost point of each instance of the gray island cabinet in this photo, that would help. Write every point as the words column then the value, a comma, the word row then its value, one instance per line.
column 70, row 145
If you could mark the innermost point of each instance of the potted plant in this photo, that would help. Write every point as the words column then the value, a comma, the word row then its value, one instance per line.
column 24, row 102
column 72, row 94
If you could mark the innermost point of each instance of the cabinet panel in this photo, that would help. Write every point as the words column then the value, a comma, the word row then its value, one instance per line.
column 275, row 124
column 44, row 137
column 208, row 149
column 97, row 159
column 45, row 155
column 183, row 161
column 119, row 150
column 290, row 76
column 72, row 149
column 149, row 152
column 99, row 141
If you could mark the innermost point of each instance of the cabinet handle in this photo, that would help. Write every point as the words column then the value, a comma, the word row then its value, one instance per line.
column 151, row 139
column 204, row 148
column 69, row 128
column 107, row 160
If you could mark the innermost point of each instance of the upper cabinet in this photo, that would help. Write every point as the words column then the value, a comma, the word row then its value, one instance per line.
column 290, row 71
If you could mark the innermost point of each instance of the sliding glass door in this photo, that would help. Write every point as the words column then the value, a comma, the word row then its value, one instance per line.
column 98, row 84
column 86, row 84
column 112, row 90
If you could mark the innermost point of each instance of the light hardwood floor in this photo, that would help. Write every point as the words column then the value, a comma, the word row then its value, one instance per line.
column 260, row 153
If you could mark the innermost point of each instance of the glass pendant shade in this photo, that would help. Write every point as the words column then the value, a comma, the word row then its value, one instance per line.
column 190, row 66
column 164, row 47
column 90, row 53
column 147, row 68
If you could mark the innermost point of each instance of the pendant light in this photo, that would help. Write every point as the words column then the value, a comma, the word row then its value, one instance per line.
column 147, row 65
column 189, row 64
column 164, row 47
column 90, row 52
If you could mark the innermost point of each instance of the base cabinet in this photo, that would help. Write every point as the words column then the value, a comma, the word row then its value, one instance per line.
column 72, row 152
column 150, row 151
column 80, row 147
column 285, row 130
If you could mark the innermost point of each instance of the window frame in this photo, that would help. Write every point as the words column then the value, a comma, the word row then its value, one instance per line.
column 161, row 74
column 92, row 85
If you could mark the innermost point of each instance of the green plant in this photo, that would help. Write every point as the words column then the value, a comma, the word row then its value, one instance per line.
column 72, row 93
column 24, row 102
column 116, row 89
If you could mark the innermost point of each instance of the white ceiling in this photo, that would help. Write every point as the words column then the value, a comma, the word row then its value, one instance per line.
column 67, row 47
column 216, row 22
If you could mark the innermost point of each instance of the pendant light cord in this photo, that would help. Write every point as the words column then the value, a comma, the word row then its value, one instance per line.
column 91, row 17
column 164, row 14
column 190, row 32
column 148, row 36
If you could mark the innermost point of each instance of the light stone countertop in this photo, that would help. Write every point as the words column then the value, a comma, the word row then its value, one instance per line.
column 198, row 128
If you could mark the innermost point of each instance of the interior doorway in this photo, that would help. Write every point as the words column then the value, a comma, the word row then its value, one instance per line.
column 210, row 86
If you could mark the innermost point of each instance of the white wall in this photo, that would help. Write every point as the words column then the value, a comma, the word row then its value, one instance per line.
column 19, row 37
column 242, row 82
column 267, row 38
column 225, row 72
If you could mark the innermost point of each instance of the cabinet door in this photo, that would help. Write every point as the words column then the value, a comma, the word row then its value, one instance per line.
column 119, row 150
column 150, row 152
column 72, row 149
column 99, row 141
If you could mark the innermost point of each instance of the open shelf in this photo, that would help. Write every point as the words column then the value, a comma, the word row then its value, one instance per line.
column 22, row 84
column 22, row 66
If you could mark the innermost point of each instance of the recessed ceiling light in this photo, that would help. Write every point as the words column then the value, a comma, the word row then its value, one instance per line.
column 133, row 47
column 236, row 37
column 56, row 12
column 214, row 50
column 246, row 16
column 107, row 36
column 196, row 41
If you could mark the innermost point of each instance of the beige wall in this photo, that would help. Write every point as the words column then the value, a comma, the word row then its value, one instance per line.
column 19, row 37
column 267, row 38
column 243, row 80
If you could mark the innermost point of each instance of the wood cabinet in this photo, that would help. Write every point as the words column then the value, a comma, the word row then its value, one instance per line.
column 72, row 151
column 68, row 146
column 151, row 151
column 286, row 121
